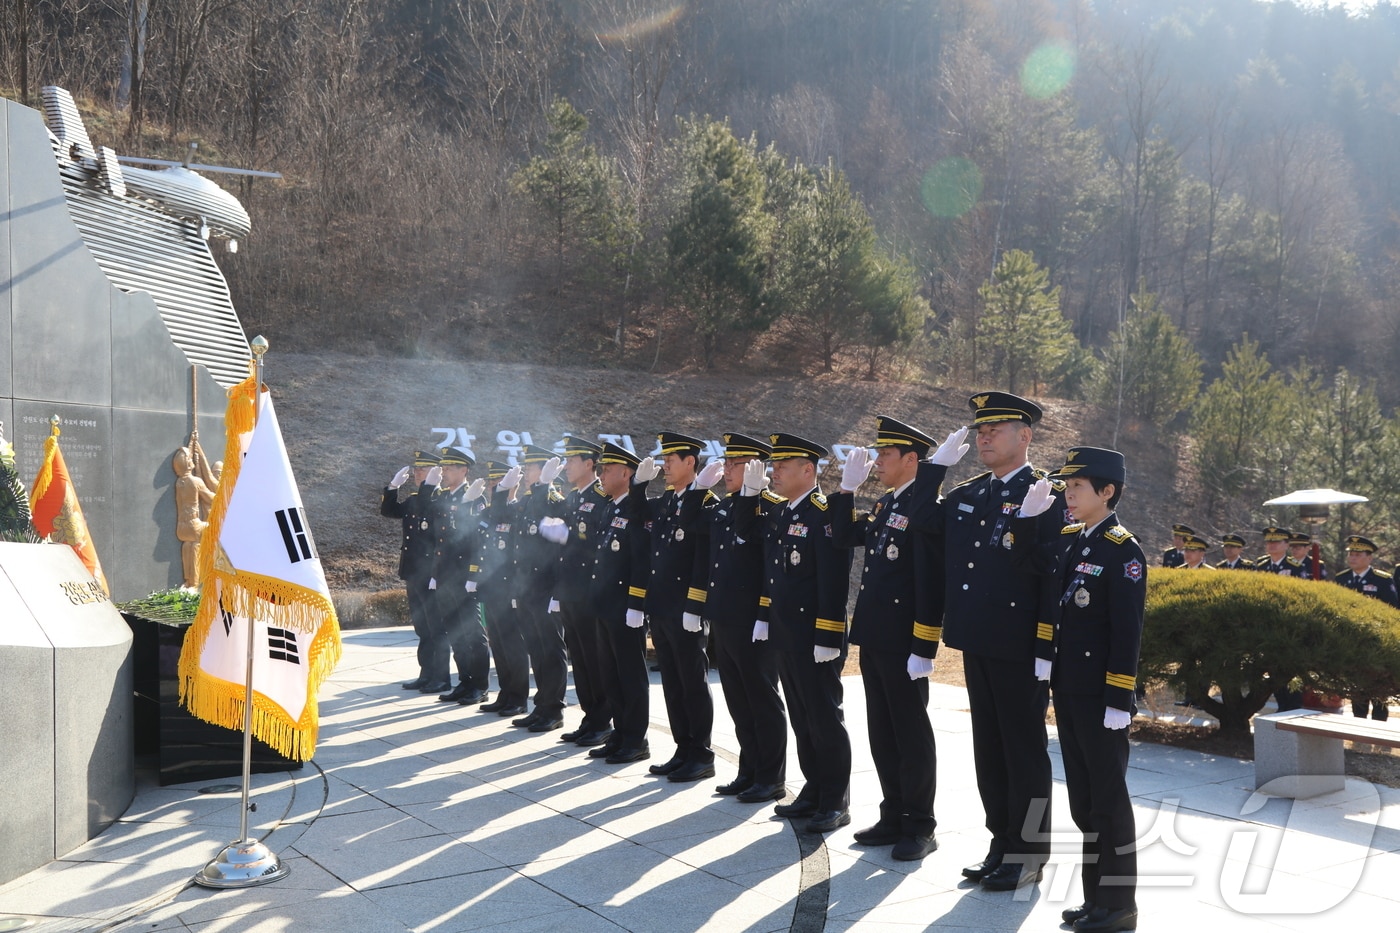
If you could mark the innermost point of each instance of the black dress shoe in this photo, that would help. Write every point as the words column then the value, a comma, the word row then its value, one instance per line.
column 525, row 722
column 495, row 705
column 414, row 684
column 622, row 756
column 762, row 793
column 589, row 739
column 571, row 734
column 827, row 820
column 881, row 834
column 456, row 693
column 472, row 697
column 435, row 686
column 913, row 848
column 1010, row 876
column 736, row 786
column 1103, row 920
column 1071, row 914
column 692, row 771
column 983, row 868
column 606, row 749
column 547, row 724
column 514, row 709
column 798, row 808
column 671, row 764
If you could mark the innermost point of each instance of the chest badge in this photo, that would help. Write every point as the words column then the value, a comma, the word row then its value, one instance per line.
column 795, row 558
column 616, row 545
column 892, row 552
column 679, row 534
column 1081, row 597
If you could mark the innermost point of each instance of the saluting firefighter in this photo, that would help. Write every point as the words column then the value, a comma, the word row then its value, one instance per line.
column 494, row 586
column 617, row 592
column 1233, row 544
column 679, row 636
column 536, row 568
column 1377, row 584
column 416, row 563
column 455, row 615
column 806, row 581
column 727, row 591
column 897, row 624
column 1093, row 661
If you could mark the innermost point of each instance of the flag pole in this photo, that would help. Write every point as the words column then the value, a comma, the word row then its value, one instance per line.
column 246, row 862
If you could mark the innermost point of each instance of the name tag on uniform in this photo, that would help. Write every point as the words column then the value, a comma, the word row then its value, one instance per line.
column 619, row 522
column 797, row 530
column 897, row 522
column 964, row 507
column 1091, row 569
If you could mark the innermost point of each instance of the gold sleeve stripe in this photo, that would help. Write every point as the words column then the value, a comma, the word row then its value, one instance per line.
column 928, row 632
column 1045, row 631
column 830, row 625
column 1124, row 681
column 765, row 601
column 473, row 568
column 695, row 594
column 636, row 591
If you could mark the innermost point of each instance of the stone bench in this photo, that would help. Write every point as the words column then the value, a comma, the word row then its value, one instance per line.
column 1299, row 753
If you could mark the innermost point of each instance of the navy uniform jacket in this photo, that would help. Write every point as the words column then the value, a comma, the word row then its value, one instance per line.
column 1172, row 557
column 536, row 559
column 621, row 569
column 1307, row 564
column 1376, row 583
column 454, row 524
column 1288, row 567
column 999, row 592
column 807, row 577
column 1241, row 563
column 899, row 608
column 673, row 520
column 1103, row 588
column 416, row 550
column 495, row 564
column 727, row 582
column 583, row 513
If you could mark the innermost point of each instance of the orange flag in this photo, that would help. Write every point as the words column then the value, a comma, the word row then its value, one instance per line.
column 55, row 511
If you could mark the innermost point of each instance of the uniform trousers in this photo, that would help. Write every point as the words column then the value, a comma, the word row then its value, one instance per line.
column 748, row 675
column 418, row 614
column 581, row 641
column 1096, row 765
column 544, row 640
column 1010, row 754
column 1360, row 706
column 814, row 696
column 622, row 657
column 690, row 709
column 507, row 646
column 457, row 620
column 901, row 741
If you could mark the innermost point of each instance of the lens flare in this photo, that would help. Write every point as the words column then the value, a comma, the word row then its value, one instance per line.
column 1047, row 71
column 951, row 188
column 641, row 26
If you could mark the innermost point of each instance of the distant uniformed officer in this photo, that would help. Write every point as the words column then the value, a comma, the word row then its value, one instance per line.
column 536, row 568
column 416, row 563
column 1174, row 556
column 1276, row 559
column 679, row 636
column 996, row 610
column 1103, row 583
column 494, row 586
column 727, row 591
column 1193, row 550
column 617, row 592
column 807, row 581
column 1300, row 549
column 454, row 604
column 897, row 623
column 1233, row 543
column 1376, row 583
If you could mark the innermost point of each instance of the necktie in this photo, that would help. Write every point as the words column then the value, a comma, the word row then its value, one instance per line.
column 996, row 487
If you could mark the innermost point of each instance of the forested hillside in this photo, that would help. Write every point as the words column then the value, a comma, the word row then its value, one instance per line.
column 1183, row 211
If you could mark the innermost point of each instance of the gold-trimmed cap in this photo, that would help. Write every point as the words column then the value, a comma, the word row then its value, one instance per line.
column 456, row 456
column 1361, row 543
column 1275, row 533
column 1195, row 543
column 1184, row 530
column 615, row 454
column 533, row 453
column 425, row 458
column 575, row 446
column 991, row 407
column 892, row 433
column 1299, row 537
column 1233, row 539
column 495, row 469
column 790, row 447
column 683, row 444
column 741, row 445
column 1098, row 462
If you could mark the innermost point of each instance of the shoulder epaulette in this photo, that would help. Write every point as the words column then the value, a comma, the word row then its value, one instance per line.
column 1072, row 529
column 1290, row 562
column 1118, row 534
column 819, row 501
column 555, row 495
column 974, row 479
column 709, row 497
column 1168, row 550
column 1383, row 574
column 773, row 497
column 1056, row 484
column 598, row 488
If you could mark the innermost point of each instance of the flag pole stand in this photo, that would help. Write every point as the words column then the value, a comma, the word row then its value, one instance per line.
column 246, row 862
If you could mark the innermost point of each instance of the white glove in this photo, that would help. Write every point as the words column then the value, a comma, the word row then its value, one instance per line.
column 760, row 631
column 690, row 622
column 550, row 471
column 647, row 471
column 400, row 477
column 635, row 618
column 1038, row 499
column 755, row 478
column 821, row 654
column 471, row 586
column 475, row 490
column 711, row 474
column 1042, row 669
column 856, row 470
column 918, row 667
column 434, row 477
column 554, row 529
column 951, row 450
column 1116, row 718
column 553, row 606
column 432, row 584
column 511, row 479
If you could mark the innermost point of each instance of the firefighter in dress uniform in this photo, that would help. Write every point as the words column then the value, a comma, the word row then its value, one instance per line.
column 416, row 563
column 1377, row 584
